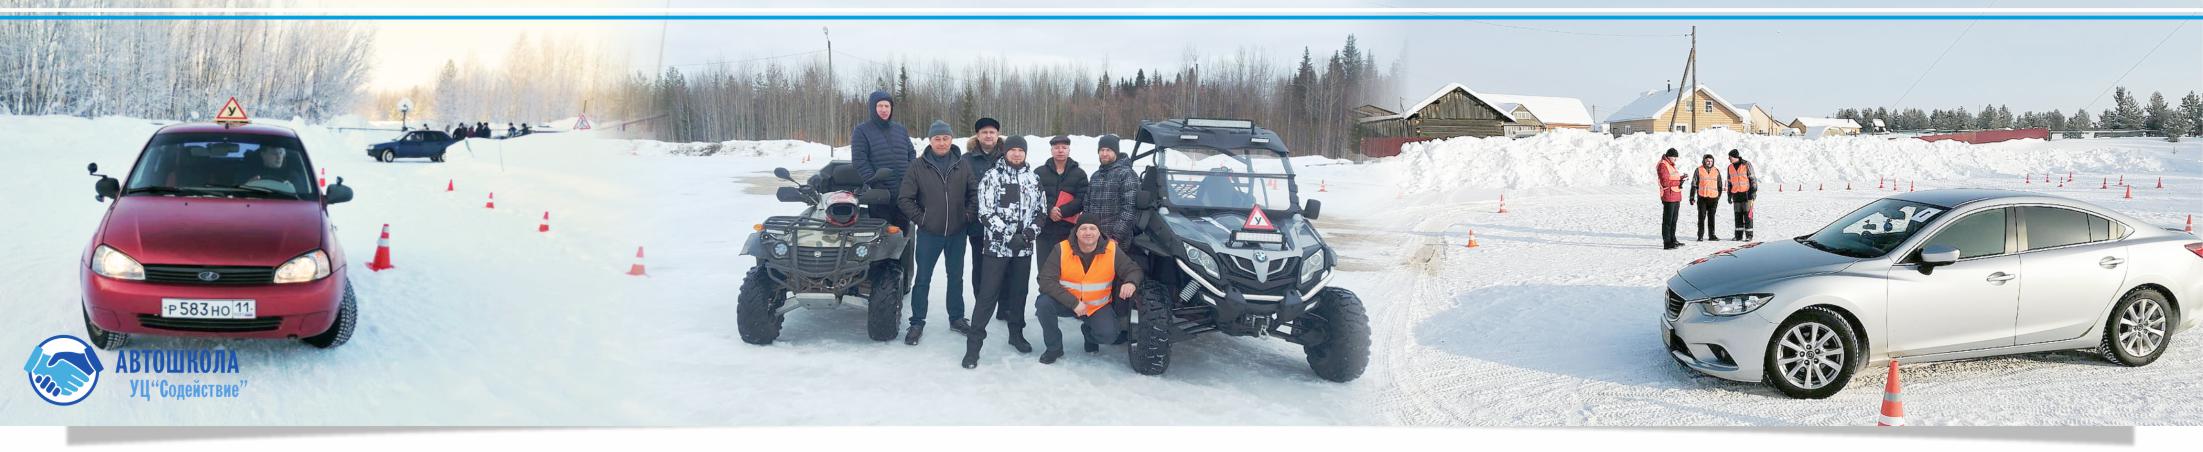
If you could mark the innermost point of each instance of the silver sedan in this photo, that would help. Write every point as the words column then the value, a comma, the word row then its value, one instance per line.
column 1935, row 276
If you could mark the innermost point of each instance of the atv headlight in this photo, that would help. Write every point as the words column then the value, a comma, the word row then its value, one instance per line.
column 1202, row 259
column 1735, row 305
column 780, row 249
column 862, row 251
column 113, row 264
column 312, row 266
column 1314, row 265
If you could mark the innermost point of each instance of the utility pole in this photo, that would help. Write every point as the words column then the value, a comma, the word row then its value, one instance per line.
column 1690, row 70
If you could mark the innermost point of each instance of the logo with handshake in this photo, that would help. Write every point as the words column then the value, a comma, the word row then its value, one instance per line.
column 63, row 370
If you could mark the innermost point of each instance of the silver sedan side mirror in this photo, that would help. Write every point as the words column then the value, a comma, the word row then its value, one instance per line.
column 1936, row 255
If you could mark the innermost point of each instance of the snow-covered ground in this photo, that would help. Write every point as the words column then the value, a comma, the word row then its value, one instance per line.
column 484, row 321
column 1549, row 322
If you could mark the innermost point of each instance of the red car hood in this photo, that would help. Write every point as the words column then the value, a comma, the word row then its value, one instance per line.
column 159, row 230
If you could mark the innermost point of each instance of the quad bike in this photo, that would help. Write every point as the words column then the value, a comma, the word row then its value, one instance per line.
column 1230, row 248
column 830, row 256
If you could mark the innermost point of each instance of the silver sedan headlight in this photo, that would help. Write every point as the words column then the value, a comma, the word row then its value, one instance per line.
column 309, row 267
column 1202, row 259
column 1735, row 305
column 113, row 264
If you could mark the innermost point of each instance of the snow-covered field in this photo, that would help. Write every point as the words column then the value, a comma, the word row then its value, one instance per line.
column 484, row 321
column 1549, row 322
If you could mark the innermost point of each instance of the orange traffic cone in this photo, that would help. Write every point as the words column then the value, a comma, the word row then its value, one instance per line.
column 1912, row 186
column 324, row 178
column 545, row 226
column 2130, row 192
column 1324, row 186
column 1824, row 186
column 2068, row 176
column 2106, row 185
column 2122, row 180
column 450, row 184
column 382, row 252
column 493, row 201
column 2160, row 181
column 1893, row 401
column 2191, row 223
column 1502, row 203
column 1779, row 188
column 1878, row 183
column 1472, row 239
column 1847, row 185
column 637, row 269
column 2027, row 179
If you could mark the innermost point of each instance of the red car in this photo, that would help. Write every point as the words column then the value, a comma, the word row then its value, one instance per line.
column 218, row 231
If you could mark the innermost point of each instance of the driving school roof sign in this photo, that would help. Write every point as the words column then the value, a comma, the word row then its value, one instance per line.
column 232, row 113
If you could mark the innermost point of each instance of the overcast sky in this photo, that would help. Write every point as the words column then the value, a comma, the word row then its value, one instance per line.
column 1806, row 68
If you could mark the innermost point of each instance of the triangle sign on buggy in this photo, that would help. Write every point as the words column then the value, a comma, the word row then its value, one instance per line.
column 1258, row 220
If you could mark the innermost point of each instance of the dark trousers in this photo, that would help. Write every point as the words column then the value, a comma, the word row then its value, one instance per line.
column 1706, row 209
column 1101, row 328
column 894, row 216
column 930, row 249
column 978, row 250
column 1741, row 203
column 1669, row 210
column 1003, row 284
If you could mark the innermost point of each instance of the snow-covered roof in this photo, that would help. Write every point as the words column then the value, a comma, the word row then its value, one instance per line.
column 1651, row 103
column 1441, row 94
column 1825, row 122
column 1551, row 110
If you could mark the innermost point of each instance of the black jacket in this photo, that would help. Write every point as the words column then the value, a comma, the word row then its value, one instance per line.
column 937, row 199
column 1071, row 180
column 880, row 144
column 1108, row 200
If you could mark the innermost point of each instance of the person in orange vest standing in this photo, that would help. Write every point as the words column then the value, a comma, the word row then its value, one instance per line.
column 1079, row 278
column 1671, row 199
column 1743, row 192
column 1706, row 194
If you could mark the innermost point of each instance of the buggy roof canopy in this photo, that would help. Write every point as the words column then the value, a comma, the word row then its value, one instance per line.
column 1222, row 134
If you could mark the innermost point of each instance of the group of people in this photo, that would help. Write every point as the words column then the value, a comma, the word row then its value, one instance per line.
column 482, row 130
column 1008, row 212
column 1706, row 185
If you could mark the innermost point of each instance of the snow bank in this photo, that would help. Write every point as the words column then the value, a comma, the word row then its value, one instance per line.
column 1573, row 158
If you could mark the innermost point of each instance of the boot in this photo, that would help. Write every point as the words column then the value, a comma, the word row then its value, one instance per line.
column 960, row 326
column 1093, row 347
column 1017, row 339
column 912, row 337
column 1050, row 356
column 971, row 351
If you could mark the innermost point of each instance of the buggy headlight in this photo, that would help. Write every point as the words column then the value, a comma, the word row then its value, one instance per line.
column 309, row 267
column 1202, row 259
column 1315, row 265
column 113, row 264
column 1735, row 305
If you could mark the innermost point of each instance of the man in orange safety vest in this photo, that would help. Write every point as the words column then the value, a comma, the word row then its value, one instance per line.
column 1080, row 278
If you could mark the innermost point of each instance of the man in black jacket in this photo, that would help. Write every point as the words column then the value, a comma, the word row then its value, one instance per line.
column 937, row 196
column 1109, row 197
column 879, row 144
column 1065, row 186
column 980, row 153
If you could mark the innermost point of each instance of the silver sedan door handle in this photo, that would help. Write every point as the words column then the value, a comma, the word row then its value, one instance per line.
column 2111, row 262
column 1999, row 278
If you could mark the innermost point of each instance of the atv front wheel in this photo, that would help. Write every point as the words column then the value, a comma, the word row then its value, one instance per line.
column 884, row 310
column 1150, row 352
column 757, row 309
column 1344, row 352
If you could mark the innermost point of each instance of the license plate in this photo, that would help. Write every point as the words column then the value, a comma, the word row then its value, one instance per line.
column 178, row 308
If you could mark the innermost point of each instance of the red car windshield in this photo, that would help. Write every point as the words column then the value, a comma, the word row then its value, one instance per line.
column 222, row 165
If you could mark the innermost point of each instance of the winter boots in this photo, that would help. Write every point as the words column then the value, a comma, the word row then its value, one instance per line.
column 971, row 350
column 1050, row 356
column 1017, row 339
column 960, row 326
column 911, row 338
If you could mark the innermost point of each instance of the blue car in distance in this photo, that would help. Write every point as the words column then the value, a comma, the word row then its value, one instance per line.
column 427, row 144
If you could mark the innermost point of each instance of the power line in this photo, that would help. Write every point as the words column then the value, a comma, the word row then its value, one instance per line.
column 2137, row 64
column 774, row 57
column 1938, row 60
